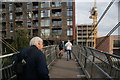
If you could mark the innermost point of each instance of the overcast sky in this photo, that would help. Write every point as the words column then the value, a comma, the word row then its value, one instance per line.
column 108, row 22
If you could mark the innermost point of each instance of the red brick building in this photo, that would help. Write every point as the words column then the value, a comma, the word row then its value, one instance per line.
column 111, row 44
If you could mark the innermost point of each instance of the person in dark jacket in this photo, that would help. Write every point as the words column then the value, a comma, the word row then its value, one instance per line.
column 35, row 67
column 61, row 48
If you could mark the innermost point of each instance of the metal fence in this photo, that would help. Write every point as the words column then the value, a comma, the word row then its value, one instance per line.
column 97, row 64
column 7, row 61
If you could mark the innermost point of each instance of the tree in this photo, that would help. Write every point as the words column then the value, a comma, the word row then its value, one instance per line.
column 21, row 39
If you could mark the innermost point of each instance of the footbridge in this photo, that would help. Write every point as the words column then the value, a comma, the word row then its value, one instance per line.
column 86, row 63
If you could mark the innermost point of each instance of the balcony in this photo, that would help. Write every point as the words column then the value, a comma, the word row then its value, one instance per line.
column 57, row 14
column 29, row 24
column 35, row 7
column 35, row 16
column 56, row 4
column 35, row 25
column 19, row 17
column 3, row 10
column 3, row 27
column 19, row 25
column 18, row 9
column 3, row 35
column 56, row 32
column 3, row 19
column 56, row 23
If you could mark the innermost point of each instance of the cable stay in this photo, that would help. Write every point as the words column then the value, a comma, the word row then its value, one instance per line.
column 8, row 45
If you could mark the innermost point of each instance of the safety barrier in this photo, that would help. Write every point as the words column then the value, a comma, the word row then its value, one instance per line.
column 7, row 61
column 97, row 64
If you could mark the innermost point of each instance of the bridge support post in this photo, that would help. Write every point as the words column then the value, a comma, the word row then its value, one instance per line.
column 85, row 57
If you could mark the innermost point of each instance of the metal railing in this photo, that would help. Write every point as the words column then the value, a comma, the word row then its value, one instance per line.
column 7, row 61
column 97, row 64
column 51, row 53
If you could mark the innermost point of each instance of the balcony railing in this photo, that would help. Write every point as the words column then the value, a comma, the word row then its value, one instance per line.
column 18, row 8
column 3, row 10
column 20, row 25
column 35, row 7
column 56, row 4
column 19, row 17
column 60, row 24
column 35, row 16
column 35, row 25
column 3, row 19
column 57, row 14
column 3, row 27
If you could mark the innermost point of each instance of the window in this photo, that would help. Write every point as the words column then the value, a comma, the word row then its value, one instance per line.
column 69, row 32
column 69, row 21
column 11, row 16
column 56, row 32
column 35, row 15
column 56, row 12
column 35, row 5
column 45, row 4
column 35, row 24
column 35, row 32
column 29, row 23
column 3, row 25
column 69, row 3
column 3, row 16
column 3, row 33
column 69, row 11
column 19, row 24
column 45, row 32
column 116, row 43
column 29, row 15
column 57, row 23
column 11, row 25
column 45, row 13
column 29, row 5
column 45, row 22
column 3, row 7
column 0, row 17
column 19, row 15
column 10, row 7
column 116, row 52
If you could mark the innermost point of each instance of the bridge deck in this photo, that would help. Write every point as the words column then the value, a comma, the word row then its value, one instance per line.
column 65, row 69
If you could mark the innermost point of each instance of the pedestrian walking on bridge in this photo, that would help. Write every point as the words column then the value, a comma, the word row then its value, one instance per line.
column 61, row 48
column 68, row 46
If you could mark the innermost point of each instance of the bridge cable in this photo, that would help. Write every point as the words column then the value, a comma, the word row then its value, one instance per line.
column 100, row 19
column 118, row 25
column 8, row 45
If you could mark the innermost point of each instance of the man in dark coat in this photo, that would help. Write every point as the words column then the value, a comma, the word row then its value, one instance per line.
column 35, row 62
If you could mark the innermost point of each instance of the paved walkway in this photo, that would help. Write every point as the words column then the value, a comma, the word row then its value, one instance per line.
column 65, row 69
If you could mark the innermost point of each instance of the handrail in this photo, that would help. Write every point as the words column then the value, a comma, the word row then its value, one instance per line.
column 105, row 52
column 7, row 55
column 96, row 63
column 7, row 71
